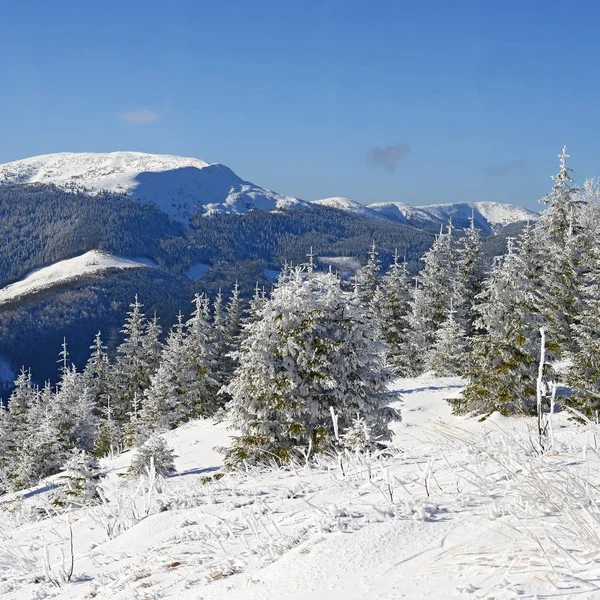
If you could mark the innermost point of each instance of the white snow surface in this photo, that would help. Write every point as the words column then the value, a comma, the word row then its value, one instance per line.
column 89, row 263
column 177, row 185
column 457, row 508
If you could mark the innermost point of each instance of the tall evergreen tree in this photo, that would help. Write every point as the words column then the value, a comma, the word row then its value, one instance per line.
column 559, row 242
column 368, row 276
column 469, row 277
column 389, row 312
column 503, row 366
column 132, row 372
column 584, row 373
column 435, row 288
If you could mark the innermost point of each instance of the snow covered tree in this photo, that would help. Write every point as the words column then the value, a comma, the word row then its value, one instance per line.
column 131, row 372
column 152, row 345
column 436, row 285
column 503, row 362
column 39, row 453
column 202, row 382
column 311, row 350
column 163, row 406
column 19, row 403
column 584, row 373
column 559, row 244
column 389, row 311
column 357, row 438
column 469, row 277
column 155, row 453
column 368, row 276
column 448, row 356
column 97, row 371
column 230, row 335
column 109, row 439
column 80, row 481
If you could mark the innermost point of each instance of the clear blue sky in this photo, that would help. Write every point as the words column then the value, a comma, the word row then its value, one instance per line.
column 469, row 100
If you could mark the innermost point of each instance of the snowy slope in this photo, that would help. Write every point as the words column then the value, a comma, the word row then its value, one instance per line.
column 66, row 270
column 460, row 509
column 179, row 186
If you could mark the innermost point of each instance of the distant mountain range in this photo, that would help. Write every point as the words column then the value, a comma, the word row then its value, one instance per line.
column 82, row 233
column 182, row 187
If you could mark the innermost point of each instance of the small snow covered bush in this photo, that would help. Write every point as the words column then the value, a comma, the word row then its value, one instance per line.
column 357, row 438
column 153, row 454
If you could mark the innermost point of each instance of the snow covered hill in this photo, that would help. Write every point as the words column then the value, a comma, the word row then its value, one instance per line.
column 457, row 509
column 67, row 270
column 179, row 186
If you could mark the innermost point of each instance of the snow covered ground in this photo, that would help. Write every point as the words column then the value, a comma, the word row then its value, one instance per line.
column 91, row 262
column 457, row 509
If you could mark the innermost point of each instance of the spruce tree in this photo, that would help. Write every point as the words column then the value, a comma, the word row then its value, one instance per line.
column 435, row 287
column 96, row 373
column 154, row 454
column 389, row 312
column 584, row 373
column 131, row 373
column 560, row 242
column 503, row 362
column 469, row 277
column 311, row 350
column 164, row 406
column 368, row 276
column 448, row 356
column 80, row 482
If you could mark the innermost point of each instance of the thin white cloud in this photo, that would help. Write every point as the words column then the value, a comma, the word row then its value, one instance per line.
column 140, row 116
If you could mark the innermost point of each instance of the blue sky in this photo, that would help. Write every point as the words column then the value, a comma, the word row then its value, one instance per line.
column 379, row 101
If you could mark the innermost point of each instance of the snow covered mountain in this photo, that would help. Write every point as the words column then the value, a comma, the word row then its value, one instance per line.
column 67, row 270
column 178, row 186
column 489, row 216
column 181, row 187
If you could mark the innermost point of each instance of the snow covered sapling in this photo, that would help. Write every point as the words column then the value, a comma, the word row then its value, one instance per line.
column 154, row 454
column 357, row 438
column 79, row 484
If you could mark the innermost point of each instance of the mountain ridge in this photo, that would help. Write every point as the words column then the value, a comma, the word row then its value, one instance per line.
column 183, row 186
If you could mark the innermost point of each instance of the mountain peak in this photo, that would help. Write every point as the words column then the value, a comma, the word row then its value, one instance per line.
column 178, row 185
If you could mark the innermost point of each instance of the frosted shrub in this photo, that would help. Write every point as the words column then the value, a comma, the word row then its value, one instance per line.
column 153, row 454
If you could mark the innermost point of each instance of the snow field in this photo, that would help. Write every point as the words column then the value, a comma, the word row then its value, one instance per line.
column 455, row 508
